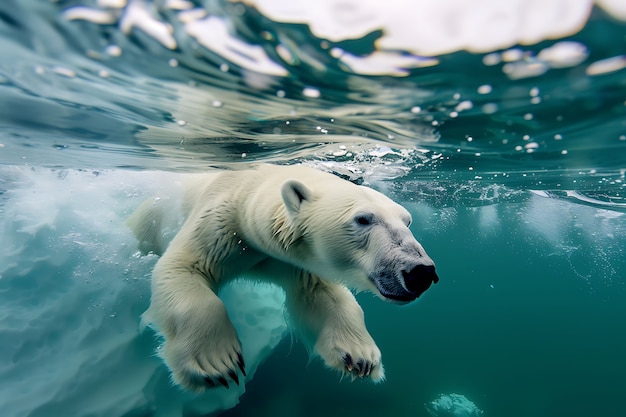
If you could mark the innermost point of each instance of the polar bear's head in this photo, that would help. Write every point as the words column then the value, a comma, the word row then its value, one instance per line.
column 358, row 236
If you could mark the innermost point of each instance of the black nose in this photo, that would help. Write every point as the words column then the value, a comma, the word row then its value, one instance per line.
column 419, row 279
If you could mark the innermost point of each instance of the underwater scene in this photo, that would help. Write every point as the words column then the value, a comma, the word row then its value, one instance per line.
column 500, row 126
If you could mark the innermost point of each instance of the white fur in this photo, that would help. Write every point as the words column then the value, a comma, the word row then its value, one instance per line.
column 294, row 226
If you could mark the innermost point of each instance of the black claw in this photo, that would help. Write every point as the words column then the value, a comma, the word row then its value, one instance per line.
column 368, row 369
column 209, row 382
column 233, row 375
column 241, row 364
column 347, row 359
column 360, row 366
column 223, row 381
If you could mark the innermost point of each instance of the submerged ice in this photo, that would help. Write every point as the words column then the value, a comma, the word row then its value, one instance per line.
column 72, row 289
column 453, row 405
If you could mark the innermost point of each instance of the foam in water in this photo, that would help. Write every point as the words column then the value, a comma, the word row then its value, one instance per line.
column 72, row 289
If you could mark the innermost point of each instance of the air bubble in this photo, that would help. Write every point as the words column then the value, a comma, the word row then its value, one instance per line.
column 113, row 50
column 489, row 108
column 311, row 92
column 492, row 59
column 464, row 105
column 484, row 89
column 66, row 72
column 512, row 55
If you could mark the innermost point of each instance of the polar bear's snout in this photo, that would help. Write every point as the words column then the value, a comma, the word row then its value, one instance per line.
column 419, row 279
column 404, row 284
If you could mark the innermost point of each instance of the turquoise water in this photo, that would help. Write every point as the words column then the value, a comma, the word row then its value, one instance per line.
column 512, row 165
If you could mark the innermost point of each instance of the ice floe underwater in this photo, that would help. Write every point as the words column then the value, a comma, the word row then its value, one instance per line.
column 514, row 174
column 73, row 288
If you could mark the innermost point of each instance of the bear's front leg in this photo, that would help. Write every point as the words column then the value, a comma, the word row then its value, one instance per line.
column 330, row 318
column 201, row 345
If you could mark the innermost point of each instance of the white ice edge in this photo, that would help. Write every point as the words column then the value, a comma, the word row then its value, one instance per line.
column 414, row 32
column 428, row 28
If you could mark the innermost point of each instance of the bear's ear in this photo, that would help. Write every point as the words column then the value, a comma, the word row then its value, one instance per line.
column 294, row 193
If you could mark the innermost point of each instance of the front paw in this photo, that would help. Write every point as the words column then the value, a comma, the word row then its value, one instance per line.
column 354, row 356
column 206, row 358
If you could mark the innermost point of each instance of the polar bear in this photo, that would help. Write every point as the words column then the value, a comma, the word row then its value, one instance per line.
column 311, row 232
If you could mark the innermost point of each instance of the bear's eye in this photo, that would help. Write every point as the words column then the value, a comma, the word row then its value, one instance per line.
column 364, row 219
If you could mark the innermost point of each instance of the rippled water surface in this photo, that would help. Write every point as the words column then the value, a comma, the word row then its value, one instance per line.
column 511, row 158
